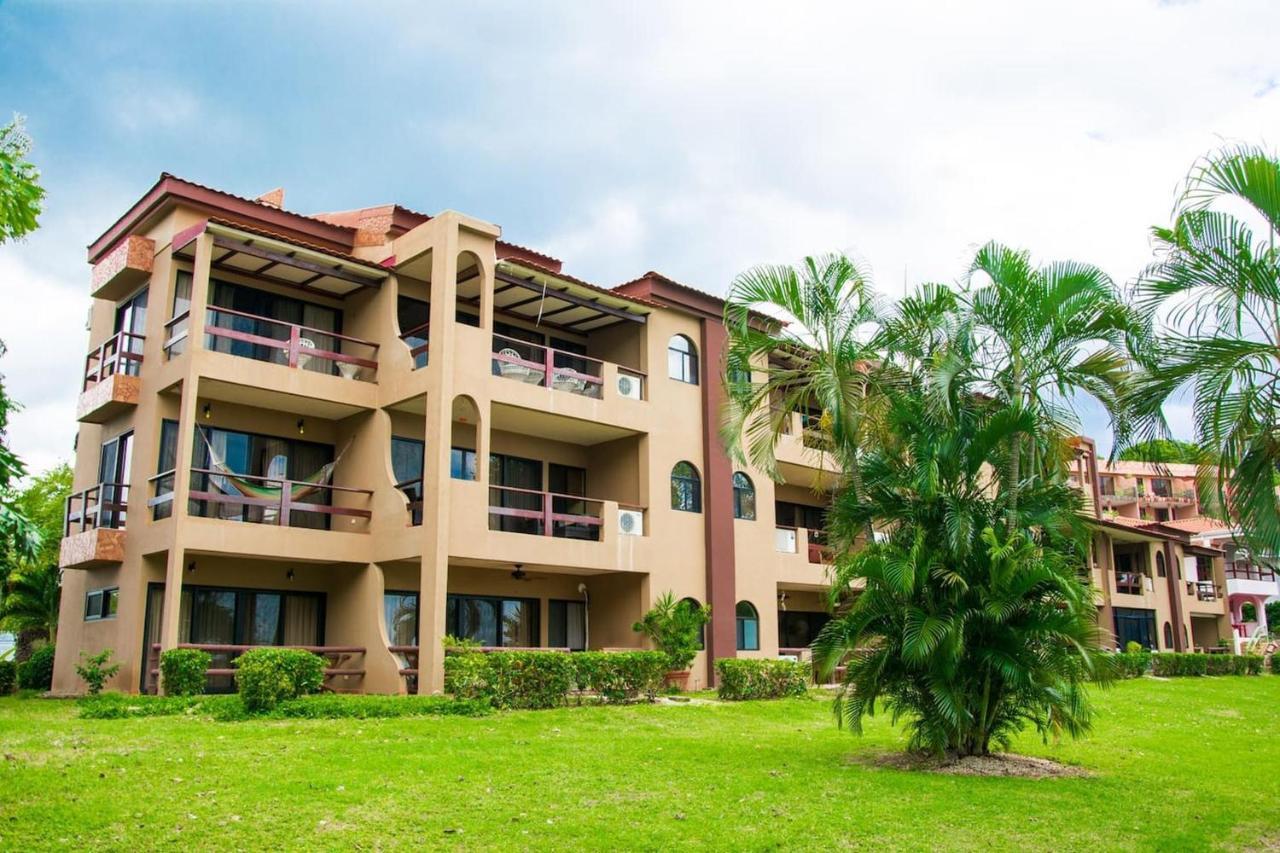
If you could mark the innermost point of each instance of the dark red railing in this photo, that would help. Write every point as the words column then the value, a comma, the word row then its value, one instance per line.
column 1203, row 590
column 540, row 508
column 284, row 505
column 1249, row 572
column 548, row 367
column 120, row 353
column 103, row 505
column 297, row 348
column 1129, row 583
column 418, row 351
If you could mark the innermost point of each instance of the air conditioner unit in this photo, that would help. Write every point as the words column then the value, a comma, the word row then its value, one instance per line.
column 631, row 522
column 629, row 386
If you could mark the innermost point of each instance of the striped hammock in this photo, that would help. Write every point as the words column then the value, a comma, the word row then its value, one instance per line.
column 230, row 483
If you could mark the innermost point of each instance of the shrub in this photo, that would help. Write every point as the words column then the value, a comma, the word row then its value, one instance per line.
column 1177, row 664
column 1252, row 664
column 1220, row 665
column 675, row 627
column 742, row 678
column 117, row 706
column 1132, row 664
column 8, row 676
column 182, row 671
column 265, row 676
column 621, row 676
column 94, row 671
column 1134, row 647
column 1275, row 664
column 36, row 672
column 511, row 679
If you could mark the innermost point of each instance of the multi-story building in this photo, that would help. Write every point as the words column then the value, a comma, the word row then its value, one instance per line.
column 362, row 431
column 1149, row 492
column 1158, row 584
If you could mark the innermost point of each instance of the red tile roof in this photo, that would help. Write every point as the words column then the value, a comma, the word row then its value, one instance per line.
column 1196, row 524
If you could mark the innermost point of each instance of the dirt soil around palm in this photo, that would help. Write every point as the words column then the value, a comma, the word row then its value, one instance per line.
column 998, row 764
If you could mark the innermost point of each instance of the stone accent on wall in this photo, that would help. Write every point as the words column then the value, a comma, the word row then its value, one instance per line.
column 91, row 549
column 124, row 267
column 106, row 399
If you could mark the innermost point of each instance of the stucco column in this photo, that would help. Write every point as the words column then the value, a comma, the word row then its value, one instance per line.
column 434, row 577
column 1172, row 571
column 1106, row 616
column 718, row 512
column 1261, row 607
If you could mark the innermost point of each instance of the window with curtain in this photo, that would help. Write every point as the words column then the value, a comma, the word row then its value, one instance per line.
column 165, row 463
column 131, row 316
column 744, row 497
column 682, row 360
column 321, row 321
column 493, row 621
column 400, row 610
column 462, row 463
column 567, row 628
column 406, row 466
column 271, row 457
column 523, row 481
column 748, row 627
column 686, row 488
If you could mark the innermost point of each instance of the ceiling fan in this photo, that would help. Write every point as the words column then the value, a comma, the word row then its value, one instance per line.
column 520, row 574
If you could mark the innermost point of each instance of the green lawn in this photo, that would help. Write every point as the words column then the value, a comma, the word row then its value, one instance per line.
column 1178, row 765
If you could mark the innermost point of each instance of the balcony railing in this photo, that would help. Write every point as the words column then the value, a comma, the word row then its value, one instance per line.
column 301, row 347
column 1249, row 572
column 786, row 539
column 548, row 367
column 103, row 505
column 413, row 492
column 277, row 509
column 1203, row 590
column 416, row 339
column 544, row 513
column 120, row 353
column 1130, row 583
column 1120, row 495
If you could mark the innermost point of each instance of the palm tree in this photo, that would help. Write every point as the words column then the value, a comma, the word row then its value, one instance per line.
column 31, row 604
column 967, row 626
column 811, row 331
column 1047, row 334
column 1216, row 284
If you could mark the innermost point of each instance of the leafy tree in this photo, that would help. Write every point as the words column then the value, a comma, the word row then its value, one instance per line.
column 1216, row 285
column 19, row 537
column 1162, row 450
column 31, row 601
column 1273, row 617
column 21, row 195
column 35, row 575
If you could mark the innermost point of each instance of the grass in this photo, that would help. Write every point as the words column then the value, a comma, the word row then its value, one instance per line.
column 1177, row 764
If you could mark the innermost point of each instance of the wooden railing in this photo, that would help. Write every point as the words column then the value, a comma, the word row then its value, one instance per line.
column 120, row 353
column 337, row 657
column 1203, row 590
column 103, row 505
column 274, row 510
column 294, row 345
column 544, row 513
column 1249, row 572
column 416, row 339
column 1130, row 583
column 175, row 333
column 548, row 367
column 413, row 491
column 161, row 502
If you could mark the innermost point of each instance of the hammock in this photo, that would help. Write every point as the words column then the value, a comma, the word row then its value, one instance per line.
column 230, row 483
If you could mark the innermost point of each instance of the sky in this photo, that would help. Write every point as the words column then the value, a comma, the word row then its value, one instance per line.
column 696, row 139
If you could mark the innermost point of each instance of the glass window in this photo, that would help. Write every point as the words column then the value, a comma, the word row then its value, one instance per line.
column 493, row 621
column 406, row 459
column 101, row 604
column 568, row 626
column 515, row 484
column 798, row 628
column 400, row 609
column 181, row 293
column 165, row 464
column 686, row 488
column 1168, row 636
column 682, row 360
column 748, row 627
column 744, row 497
column 462, row 463
column 1160, row 566
column 265, row 461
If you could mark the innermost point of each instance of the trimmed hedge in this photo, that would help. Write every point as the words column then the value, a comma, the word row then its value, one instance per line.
column 1275, row 664
column 116, row 706
column 742, row 678
column 36, row 672
column 511, row 679
column 532, row 680
column 1178, row 664
column 182, row 671
column 621, row 676
column 8, row 676
column 267, row 676
column 1132, row 664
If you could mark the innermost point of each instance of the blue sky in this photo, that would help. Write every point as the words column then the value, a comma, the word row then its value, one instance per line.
column 696, row 139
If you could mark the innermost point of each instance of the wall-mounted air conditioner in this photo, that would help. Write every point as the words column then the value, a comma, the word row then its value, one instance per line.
column 631, row 522
column 629, row 386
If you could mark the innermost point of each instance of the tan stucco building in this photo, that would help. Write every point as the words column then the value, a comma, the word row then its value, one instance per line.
column 360, row 431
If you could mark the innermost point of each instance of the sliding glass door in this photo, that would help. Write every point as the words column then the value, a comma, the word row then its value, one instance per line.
column 268, row 461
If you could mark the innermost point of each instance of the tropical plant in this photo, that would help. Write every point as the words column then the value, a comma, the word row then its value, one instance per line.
column 95, row 671
column 973, row 620
column 31, row 602
column 1215, row 285
column 19, row 537
column 675, row 628
column 21, row 195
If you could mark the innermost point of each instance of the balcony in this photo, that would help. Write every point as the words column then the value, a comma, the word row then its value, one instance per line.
column 572, row 373
column 111, row 384
column 290, row 344
column 1203, row 590
column 1116, row 497
column 124, row 268
column 514, row 510
column 1245, row 578
column 1131, row 583
column 1168, row 498
column 275, row 501
column 795, row 540
column 93, row 527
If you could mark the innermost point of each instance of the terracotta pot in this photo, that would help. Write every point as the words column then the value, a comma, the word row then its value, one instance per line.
column 678, row 680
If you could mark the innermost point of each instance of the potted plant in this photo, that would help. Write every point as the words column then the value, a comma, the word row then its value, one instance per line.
column 675, row 627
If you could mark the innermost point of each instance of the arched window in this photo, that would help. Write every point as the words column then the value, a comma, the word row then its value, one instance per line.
column 748, row 627
column 686, row 488
column 702, row 631
column 1168, row 636
column 744, row 497
column 1160, row 566
column 682, row 360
